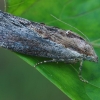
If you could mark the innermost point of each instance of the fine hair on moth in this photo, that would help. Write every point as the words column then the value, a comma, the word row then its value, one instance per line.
column 37, row 39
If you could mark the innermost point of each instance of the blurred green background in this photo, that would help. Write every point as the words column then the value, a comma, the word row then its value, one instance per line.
column 20, row 81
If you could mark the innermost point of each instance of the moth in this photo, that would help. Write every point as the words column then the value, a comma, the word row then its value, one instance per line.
column 37, row 39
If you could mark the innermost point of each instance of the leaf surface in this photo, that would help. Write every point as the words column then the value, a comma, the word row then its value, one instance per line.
column 82, row 14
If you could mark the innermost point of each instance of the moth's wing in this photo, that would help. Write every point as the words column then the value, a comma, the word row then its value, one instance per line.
column 31, row 44
column 17, row 36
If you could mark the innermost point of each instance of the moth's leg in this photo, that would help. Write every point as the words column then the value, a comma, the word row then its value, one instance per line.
column 53, row 60
column 80, row 73
column 80, row 69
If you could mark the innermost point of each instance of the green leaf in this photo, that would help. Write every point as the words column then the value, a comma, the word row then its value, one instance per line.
column 82, row 14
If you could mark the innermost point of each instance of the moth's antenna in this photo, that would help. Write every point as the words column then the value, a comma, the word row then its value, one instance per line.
column 71, row 26
column 96, row 40
column 16, row 4
column 4, row 5
column 96, row 43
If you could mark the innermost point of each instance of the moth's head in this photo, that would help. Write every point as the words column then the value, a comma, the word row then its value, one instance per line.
column 80, row 45
column 90, row 53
